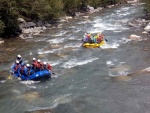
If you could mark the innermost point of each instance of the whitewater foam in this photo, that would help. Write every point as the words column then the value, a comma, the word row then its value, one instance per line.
column 75, row 62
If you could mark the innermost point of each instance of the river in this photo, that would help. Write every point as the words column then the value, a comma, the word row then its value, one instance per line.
column 83, row 81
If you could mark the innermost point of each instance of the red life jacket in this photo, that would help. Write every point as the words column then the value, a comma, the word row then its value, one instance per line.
column 40, row 65
column 49, row 67
column 17, row 67
column 35, row 63
column 100, row 38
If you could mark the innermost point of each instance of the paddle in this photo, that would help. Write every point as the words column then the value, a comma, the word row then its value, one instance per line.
column 9, row 77
column 106, row 40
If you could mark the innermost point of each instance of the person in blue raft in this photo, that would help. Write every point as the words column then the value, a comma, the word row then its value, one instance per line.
column 19, row 58
column 27, row 73
column 15, row 68
column 22, row 70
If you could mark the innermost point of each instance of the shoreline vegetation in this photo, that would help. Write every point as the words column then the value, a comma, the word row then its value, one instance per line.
column 27, row 18
column 30, row 16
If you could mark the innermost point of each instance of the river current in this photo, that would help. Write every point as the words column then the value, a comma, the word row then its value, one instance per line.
column 83, row 81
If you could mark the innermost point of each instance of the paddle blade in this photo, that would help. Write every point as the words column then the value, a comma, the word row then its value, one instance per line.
column 106, row 40
column 9, row 77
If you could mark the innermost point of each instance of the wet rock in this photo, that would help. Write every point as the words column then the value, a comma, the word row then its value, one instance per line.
column 4, row 75
column 140, row 22
column 147, row 70
column 41, row 111
column 68, row 17
column 147, row 28
column 98, row 9
column 10, row 49
column 144, row 32
column 30, row 96
column 1, row 41
column 77, row 14
column 41, row 56
column 21, row 20
column 90, row 8
column 132, row 25
column 55, row 46
column 26, row 31
column 85, row 17
column 121, row 78
column 62, row 20
column 132, row 1
column 135, row 37
column 61, row 55
column 110, row 6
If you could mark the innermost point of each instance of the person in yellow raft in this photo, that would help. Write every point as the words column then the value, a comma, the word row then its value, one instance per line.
column 100, row 37
column 88, row 38
column 97, row 38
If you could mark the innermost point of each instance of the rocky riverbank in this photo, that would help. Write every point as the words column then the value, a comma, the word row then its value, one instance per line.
column 31, row 29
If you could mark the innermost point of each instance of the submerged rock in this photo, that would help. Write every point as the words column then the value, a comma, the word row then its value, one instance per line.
column 41, row 111
column 121, row 78
column 29, row 96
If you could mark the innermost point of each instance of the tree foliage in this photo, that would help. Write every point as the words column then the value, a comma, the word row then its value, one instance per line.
column 147, row 7
column 36, row 10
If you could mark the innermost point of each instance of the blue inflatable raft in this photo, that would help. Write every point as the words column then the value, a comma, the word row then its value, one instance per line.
column 36, row 76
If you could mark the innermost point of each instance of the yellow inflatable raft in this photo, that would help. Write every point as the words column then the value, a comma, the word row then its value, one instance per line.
column 93, row 45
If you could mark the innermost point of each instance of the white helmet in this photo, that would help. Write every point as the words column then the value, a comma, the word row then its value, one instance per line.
column 17, row 61
column 34, row 58
column 44, row 63
column 19, row 56
column 39, row 60
column 28, row 65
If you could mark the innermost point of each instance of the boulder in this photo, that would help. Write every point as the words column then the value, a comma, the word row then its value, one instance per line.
column 90, row 8
column 110, row 6
column 121, row 78
column 135, row 37
column 26, row 31
column 98, row 9
column 1, row 41
column 21, row 20
column 147, row 28
column 85, row 17
column 68, row 17
column 132, row 1
column 144, row 32
column 131, row 24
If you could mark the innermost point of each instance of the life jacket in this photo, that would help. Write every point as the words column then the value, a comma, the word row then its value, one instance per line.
column 39, row 66
column 16, row 67
column 48, row 67
column 30, row 71
column 88, row 35
column 22, row 70
column 34, row 63
column 100, row 38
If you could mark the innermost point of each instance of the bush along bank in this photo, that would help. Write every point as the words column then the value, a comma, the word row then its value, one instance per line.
column 30, row 16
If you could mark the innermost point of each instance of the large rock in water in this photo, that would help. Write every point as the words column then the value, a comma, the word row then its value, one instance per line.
column 132, row 1
column 147, row 28
column 41, row 111
column 121, row 78
column 135, row 37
